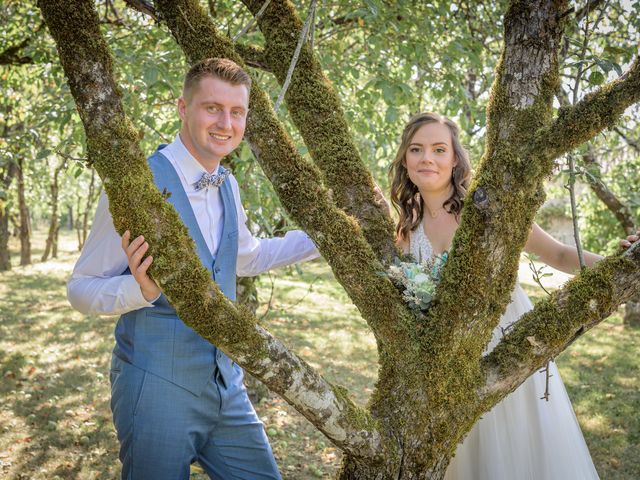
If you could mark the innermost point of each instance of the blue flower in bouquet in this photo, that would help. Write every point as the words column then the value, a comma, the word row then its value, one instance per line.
column 418, row 281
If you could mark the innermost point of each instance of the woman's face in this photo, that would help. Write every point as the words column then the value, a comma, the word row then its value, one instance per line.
column 430, row 158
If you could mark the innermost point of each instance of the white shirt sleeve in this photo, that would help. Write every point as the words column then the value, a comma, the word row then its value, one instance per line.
column 259, row 255
column 97, row 285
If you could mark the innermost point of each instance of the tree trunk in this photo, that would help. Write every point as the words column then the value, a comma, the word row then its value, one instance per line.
column 53, row 226
column 77, row 224
column 6, row 178
column 70, row 224
column 25, row 224
column 51, row 246
column 5, row 257
column 91, row 199
column 54, row 245
column 82, row 219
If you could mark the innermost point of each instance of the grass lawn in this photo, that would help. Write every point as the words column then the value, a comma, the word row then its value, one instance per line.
column 55, row 420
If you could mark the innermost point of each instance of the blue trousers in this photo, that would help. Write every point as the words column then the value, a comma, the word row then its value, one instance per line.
column 163, row 429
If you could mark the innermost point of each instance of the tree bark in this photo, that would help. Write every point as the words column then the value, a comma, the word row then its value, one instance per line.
column 5, row 255
column 621, row 211
column 300, row 187
column 25, row 222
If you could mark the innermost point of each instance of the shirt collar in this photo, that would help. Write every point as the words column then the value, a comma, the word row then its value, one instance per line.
column 190, row 168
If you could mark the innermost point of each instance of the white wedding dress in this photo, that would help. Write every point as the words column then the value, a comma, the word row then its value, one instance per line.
column 523, row 437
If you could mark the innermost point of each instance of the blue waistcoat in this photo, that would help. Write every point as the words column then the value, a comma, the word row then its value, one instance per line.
column 154, row 338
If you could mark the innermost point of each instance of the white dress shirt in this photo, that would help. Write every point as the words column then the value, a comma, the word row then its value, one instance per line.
column 96, row 285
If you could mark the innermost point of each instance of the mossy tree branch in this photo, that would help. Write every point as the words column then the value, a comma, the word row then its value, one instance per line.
column 507, row 189
column 556, row 322
column 317, row 112
column 137, row 205
column 299, row 186
column 597, row 111
column 519, row 116
column 253, row 56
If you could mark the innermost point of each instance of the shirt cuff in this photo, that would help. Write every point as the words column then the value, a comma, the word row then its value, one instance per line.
column 311, row 247
column 132, row 297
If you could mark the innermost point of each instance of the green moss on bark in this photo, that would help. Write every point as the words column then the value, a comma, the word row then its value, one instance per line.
column 317, row 112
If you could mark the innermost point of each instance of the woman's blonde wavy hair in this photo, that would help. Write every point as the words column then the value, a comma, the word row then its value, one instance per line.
column 405, row 196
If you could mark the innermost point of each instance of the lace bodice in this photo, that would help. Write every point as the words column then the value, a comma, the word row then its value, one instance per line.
column 419, row 245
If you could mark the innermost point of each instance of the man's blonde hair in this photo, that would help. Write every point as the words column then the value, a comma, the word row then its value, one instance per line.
column 222, row 68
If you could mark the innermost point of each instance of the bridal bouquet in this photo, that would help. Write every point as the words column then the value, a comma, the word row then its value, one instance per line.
column 417, row 281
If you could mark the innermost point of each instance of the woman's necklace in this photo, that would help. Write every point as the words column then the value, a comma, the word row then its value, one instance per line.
column 436, row 213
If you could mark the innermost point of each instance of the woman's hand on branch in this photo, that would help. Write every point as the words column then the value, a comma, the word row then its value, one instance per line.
column 626, row 242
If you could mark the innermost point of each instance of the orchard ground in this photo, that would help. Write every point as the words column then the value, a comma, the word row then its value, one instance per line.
column 54, row 395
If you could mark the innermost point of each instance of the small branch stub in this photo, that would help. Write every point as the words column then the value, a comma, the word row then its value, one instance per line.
column 481, row 198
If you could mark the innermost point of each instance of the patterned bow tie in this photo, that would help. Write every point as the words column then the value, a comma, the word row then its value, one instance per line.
column 211, row 180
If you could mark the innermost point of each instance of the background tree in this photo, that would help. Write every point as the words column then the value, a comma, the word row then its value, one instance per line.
column 432, row 375
column 25, row 221
column 7, row 174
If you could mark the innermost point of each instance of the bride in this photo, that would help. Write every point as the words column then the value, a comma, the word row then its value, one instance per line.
column 522, row 437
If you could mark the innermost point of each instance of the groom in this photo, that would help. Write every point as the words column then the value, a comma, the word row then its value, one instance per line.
column 175, row 397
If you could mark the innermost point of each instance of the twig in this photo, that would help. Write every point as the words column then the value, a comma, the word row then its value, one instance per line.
column 570, row 159
column 302, row 299
column 252, row 21
column 296, row 54
column 574, row 210
column 270, row 303
column 70, row 157
column 635, row 144
column 548, row 375
column 312, row 35
column 538, row 275
column 186, row 19
column 585, row 45
column 115, row 11
column 157, row 132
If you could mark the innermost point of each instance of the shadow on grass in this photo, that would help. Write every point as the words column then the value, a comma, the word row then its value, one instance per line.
column 55, row 409
column 601, row 375
column 313, row 315
column 54, row 396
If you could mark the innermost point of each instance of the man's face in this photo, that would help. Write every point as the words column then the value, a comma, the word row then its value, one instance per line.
column 213, row 119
